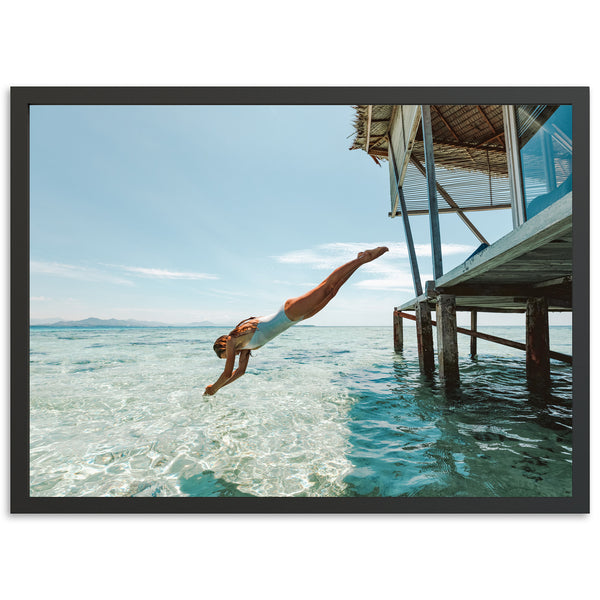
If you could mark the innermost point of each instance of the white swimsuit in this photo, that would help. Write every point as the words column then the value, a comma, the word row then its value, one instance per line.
column 268, row 328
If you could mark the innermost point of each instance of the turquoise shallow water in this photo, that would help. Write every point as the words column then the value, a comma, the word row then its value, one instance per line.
column 321, row 411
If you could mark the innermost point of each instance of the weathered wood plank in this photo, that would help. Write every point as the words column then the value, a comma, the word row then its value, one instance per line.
column 425, row 338
column 411, row 304
column 500, row 310
column 369, row 118
column 552, row 282
column 516, row 289
column 447, row 340
column 552, row 222
column 403, row 129
column 474, row 330
column 538, row 341
column 398, row 332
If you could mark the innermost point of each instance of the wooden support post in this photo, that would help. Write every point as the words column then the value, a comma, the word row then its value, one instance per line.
column 537, row 342
column 398, row 332
column 434, row 220
column 496, row 340
column 447, row 339
column 424, row 338
column 474, row 330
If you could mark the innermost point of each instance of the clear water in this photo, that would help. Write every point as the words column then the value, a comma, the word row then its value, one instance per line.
column 321, row 411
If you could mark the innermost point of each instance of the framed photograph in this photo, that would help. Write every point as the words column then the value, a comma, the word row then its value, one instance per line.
column 300, row 300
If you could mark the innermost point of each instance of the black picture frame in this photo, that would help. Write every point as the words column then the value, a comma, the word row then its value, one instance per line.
column 24, row 97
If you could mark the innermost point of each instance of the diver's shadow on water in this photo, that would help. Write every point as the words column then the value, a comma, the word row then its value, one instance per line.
column 206, row 485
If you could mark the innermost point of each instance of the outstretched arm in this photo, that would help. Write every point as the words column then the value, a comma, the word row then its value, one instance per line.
column 242, row 364
column 229, row 374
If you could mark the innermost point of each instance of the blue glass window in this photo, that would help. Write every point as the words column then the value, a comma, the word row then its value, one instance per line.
column 546, row 145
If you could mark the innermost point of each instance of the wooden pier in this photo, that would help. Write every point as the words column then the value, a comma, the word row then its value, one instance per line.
column 530, row 269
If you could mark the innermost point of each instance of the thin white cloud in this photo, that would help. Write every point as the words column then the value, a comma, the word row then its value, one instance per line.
column 388, row 284
column 40, row 299
column 385, row 272
column 164, row 274
column 74, row 272
column 330, row 256
column 227, row 293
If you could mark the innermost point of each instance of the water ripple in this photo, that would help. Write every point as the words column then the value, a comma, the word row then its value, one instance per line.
column 320, row 412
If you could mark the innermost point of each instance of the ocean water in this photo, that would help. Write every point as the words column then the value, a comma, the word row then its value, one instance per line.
column 321, row 411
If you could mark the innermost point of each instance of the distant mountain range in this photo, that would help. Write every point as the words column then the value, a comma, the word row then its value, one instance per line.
column 93, row 322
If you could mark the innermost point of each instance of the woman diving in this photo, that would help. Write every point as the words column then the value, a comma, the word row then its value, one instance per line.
column 255, row 332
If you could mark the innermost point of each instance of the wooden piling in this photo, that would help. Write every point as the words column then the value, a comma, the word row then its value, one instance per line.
column 474, row 330
column 398, row 332
column 496, row 340
column 447, row 339
column 424, row 338
column 538, row 340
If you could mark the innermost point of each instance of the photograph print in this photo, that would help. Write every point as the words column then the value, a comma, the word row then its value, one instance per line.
column 292, row 300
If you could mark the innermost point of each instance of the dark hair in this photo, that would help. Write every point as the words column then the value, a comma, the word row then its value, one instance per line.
column 220, row 344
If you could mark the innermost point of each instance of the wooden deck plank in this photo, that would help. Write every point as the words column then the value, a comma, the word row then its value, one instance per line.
column 539, row 251
column 554, row 222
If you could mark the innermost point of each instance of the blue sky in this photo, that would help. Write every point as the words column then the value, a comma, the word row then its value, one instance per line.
column 192, row 213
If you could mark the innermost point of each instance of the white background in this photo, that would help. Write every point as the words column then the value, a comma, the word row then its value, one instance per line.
column 310, row 43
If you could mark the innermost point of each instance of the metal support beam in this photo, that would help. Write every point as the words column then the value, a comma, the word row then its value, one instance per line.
column 513, row 156
column 450, row 201
column 414, row 265
column 453, row 210
column 412, row 254
column 434, row 220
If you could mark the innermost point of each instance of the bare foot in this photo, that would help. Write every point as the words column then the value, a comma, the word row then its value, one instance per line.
column 369, row 255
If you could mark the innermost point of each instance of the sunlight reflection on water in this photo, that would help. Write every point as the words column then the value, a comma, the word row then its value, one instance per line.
column 320, row 412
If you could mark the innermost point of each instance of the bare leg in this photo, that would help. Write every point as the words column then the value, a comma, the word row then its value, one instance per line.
column 312, row 302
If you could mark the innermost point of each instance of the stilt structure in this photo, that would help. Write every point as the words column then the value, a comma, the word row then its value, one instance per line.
column 538, row 342
column 460, row 158
column 473, row 352
column 425, row 338
column 447, row 342
column 398, row 332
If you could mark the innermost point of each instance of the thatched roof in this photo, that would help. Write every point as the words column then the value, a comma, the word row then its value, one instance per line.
column 469, row 153
column 465, row 136
column 378, row 125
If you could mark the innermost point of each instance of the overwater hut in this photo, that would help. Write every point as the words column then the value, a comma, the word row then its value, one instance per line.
column 463, row 158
